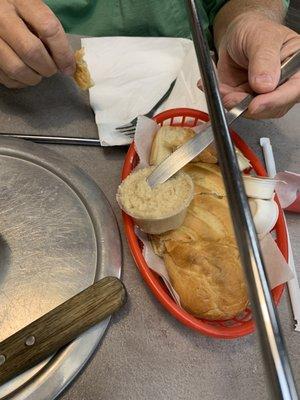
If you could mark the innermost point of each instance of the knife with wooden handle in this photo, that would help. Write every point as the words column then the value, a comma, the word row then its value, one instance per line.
column 60, row 326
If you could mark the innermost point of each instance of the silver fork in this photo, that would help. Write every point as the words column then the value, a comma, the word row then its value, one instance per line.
column 129, row 129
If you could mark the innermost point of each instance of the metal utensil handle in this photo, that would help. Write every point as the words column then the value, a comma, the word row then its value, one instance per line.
column 131, row 125
column 65, row 140
column 273, row 347
column 289, row 67
column 60, row 326
column 161, row 101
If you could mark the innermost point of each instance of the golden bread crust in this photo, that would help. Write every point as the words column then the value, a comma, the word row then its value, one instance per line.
column 82, row 76
column 168, row 138
column 201, row 256
column 208, row 279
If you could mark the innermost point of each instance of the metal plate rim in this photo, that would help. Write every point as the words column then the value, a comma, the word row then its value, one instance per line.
column 51, row 380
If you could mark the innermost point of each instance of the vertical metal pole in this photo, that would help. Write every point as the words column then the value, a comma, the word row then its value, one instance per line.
column 272, row 344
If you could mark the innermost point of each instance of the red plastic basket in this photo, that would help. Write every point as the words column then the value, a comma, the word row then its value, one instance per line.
column 230, row 329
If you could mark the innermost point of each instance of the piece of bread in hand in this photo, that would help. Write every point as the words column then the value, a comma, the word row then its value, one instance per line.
column 169, row 138
column 82, row 76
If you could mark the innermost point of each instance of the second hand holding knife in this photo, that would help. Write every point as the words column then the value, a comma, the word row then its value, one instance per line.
column 205, row 137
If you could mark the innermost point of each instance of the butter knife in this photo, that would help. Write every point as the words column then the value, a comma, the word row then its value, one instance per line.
column 205, row 137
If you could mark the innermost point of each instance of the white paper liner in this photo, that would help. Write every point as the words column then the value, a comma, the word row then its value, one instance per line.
column 156, row 263
column 277, row 269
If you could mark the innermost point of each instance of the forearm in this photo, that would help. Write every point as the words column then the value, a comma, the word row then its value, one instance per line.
column 272, row 9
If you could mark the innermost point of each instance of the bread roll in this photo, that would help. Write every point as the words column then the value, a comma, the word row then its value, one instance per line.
column 207, row 219
column 207, row 178
column 208, row 278
column 169, row 138
column 201, row 256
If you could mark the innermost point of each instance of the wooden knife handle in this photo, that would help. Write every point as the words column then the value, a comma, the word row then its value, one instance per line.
column 60, row 326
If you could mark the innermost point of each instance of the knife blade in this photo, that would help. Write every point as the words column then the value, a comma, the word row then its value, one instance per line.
column 60, row 326
column 204, row 134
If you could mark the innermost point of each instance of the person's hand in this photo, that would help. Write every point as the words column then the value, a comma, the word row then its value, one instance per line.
column 250, row 55
column 33, row 44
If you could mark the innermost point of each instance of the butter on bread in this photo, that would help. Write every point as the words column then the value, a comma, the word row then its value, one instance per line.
column 168, row 138
column 201, row 256
column 82, row 75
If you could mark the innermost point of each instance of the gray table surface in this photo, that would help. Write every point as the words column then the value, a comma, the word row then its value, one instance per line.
column 146, row 353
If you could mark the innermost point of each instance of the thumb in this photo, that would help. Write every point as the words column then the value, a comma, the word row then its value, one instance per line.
column 264, row 64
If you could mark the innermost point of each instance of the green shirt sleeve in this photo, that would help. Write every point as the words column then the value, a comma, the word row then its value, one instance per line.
column 130, row 17
column 133, row 17
column 286, row 3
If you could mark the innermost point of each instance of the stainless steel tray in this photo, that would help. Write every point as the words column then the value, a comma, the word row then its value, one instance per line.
column 58, row 235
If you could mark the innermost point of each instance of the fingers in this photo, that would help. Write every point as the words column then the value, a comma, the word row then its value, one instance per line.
column 264, row 106
column 273, row 105
column 263, row 53
column 232, row 99
column 226, row 89
column 290, row 47
column 253, row 54
column 277, row 112
column 229, row 71
column 9, row 83
column 48, row 28
column 33, row 43
column 27, row 46
column 14, row 68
